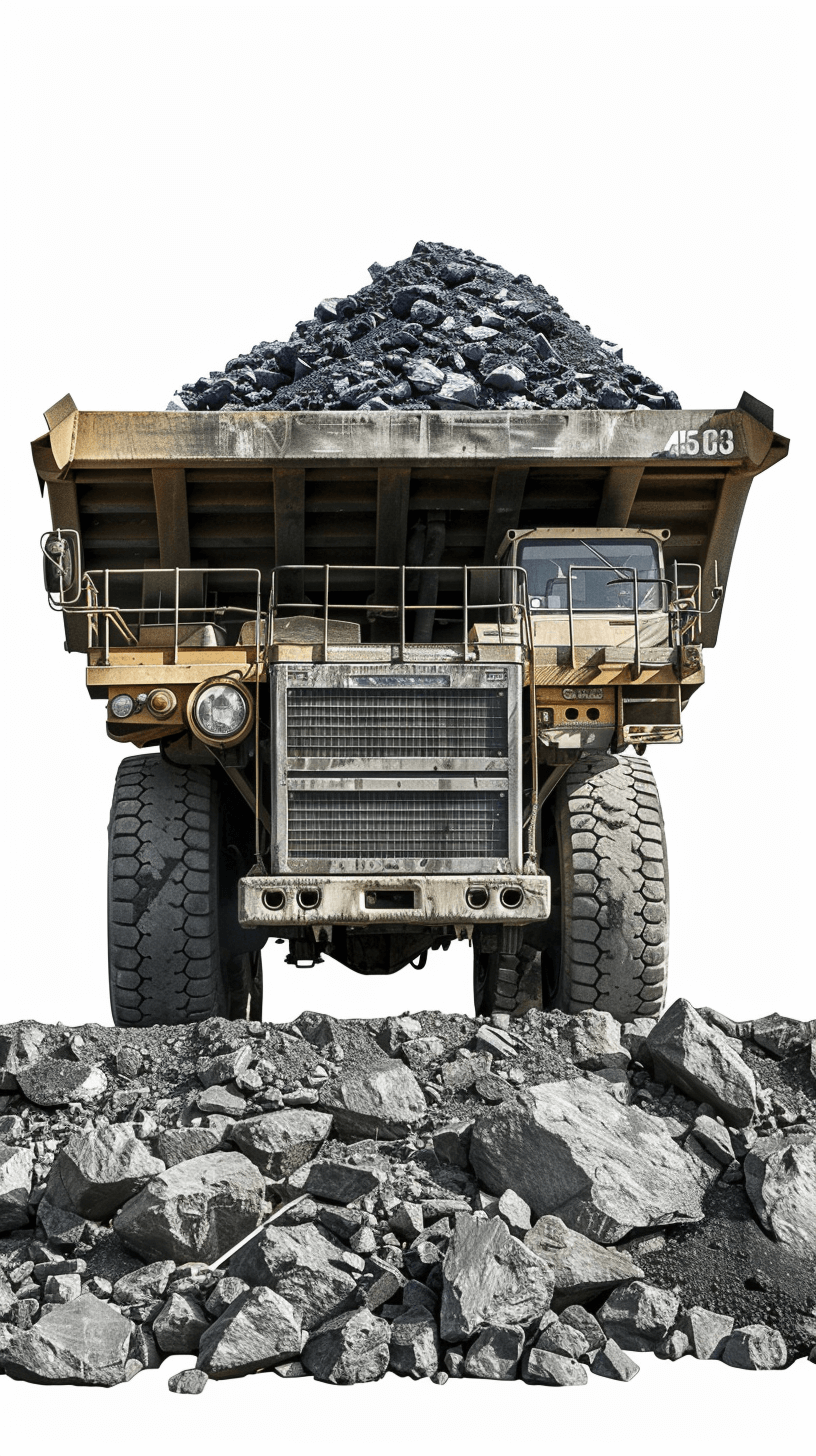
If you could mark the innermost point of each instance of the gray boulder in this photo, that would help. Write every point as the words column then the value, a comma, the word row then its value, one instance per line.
column 515, row 1213
column 145, row 1285
column 179, row 1325
column 755, row 1347
column 178, row 1144
column 415, row 1348
column 224, row 1294
column 333, row 1182
column 602, row 1167
column 707, row 1332
column 86, row 1342
column 258, row 1331
column 384, row 1102
column 575, row 1317
column 581, row 1268
column 196, row 1210
column 563, row 1339
column 187, row 1382
column 594, row 1041
column 703, row 1063
column 396, row 1031
column 490, row 1278
column 613, row 1363
column 452, row 1143
column 51, row 1082
column 495, row 1353
column 781, row 1035
column 280, row 1142
column 780, row 1180
column 714, row 1139
column 16, row 1176
column 543, row 1367
column 99, row 1170
column 637, row 1316
column 316, row 1276
column 216, row 1071
column 352, row 1349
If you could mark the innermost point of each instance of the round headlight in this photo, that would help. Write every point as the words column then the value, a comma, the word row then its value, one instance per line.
column 122, row 705
column 220, row 711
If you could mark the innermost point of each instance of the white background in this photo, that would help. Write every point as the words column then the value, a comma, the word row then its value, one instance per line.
column 184, row 180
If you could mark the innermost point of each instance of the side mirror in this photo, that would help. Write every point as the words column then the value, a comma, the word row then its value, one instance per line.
column 59, row 564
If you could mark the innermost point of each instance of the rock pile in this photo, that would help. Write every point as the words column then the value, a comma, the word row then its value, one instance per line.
column 436, row 1196
column 442, row 329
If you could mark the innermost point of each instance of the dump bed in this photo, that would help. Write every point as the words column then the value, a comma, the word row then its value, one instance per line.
column 230, row 490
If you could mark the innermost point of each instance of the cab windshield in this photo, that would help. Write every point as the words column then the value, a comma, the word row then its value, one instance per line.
column 602, row 578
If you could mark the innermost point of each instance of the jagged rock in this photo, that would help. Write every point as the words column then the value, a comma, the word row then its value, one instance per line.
column 258, row 1331
column 638, row 1315
column 60, row 1225
column 781, row 1035
column 316, row 1276
column 197, row 1209
column 396, row 1031
column 144, row 1285
column 452, row 1143
column 225, row 1292
column 51, row 1082
column 571, row 1150
column 581, row 1268
column 61, row 1288
column 179, row 1325
column 8, row 1299
column 385, row 1102
column 613, row 1363
column 143, row 1348
column 86, row 1342
column 594, row 1040
column 673, row 1346
column 219, row 1101
column 99, row 1170
column 187, row 1382
column 515, row 1213
column 701, row 1061
column 280, row 1142
column 707, row 1332
column 780, row 1180
column 415, row 1349
column 334, row 1182
column 490, row 1278
column 714, row 1139
column 352, row 1349
column 543, row 1367
column 755, row 1347
column 495, row 1353
column 563, row 1339
column 178, row 1144
column 17, row 1050
column 16, row 1176
column 216, row 1071
column 577, row 1318
column 407, row 1220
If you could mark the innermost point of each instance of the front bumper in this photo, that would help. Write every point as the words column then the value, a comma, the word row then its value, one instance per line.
column 284, row 900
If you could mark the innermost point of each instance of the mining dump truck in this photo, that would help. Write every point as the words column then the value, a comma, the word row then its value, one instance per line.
column 391, row 677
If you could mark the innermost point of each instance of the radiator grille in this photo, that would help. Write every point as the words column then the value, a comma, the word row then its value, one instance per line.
column 389, row 723
column 433, row 825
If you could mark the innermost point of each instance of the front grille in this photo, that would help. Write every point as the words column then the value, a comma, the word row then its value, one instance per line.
column 386, row 825
column 390, row 723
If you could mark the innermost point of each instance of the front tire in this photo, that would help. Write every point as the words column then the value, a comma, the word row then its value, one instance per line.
column 174, row 954
column 605, row 946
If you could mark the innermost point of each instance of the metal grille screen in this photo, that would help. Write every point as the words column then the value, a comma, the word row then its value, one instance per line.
column 433, row 825
column 389, row 723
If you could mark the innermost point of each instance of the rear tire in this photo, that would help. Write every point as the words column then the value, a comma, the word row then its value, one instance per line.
column 605, row 946
column 174, row 948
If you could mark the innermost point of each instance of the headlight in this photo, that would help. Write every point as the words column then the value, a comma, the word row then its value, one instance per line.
column 122, row 705
column 220, row 711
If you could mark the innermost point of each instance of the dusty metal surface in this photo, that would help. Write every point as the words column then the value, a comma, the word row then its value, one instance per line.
column 439, row 899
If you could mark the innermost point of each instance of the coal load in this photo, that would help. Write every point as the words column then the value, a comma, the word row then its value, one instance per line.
column 440, row 330
column 541, row 1198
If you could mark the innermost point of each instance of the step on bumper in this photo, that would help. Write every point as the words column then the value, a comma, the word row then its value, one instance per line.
column 283, row 900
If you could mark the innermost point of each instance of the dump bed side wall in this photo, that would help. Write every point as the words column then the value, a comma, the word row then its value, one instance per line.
column 228, row 490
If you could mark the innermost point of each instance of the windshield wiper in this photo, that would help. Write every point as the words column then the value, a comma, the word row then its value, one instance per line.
column 616, row 569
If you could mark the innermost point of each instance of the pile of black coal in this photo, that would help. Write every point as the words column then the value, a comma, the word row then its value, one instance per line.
column 442, row 329
column 535, row 1198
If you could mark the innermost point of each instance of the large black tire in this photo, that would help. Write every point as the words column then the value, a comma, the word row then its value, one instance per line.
column 605, row 946
column 174, row 947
